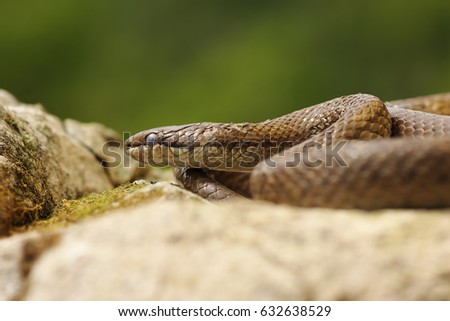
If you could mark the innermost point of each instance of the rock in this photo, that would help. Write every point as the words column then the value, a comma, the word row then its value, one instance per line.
column 17, row 256
column 7, row 99
column 164, row 191
column 41, row 164
column 191, row 250
column 107, row 145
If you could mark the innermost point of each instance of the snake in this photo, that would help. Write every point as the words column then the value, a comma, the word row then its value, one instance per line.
column 354, row 151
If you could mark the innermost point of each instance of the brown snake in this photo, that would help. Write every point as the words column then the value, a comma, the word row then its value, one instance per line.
column 350, row 152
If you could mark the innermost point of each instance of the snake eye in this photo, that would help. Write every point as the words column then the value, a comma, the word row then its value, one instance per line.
column 152, row 139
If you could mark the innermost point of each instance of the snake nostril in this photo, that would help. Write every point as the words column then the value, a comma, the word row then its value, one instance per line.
column 130, row 143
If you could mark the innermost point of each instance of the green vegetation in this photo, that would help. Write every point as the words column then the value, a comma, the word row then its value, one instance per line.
column 70, row 211
column 139, row 64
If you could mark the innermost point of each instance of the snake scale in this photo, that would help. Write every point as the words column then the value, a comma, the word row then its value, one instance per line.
column 354, row 151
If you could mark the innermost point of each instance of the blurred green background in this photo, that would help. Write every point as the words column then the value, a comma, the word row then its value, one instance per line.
column 138, row 64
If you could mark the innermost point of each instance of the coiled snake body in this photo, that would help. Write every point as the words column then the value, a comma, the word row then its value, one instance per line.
column 350, row 152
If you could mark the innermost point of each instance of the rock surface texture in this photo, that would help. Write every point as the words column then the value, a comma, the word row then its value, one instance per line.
column 191, row 250
column 161, row 242
column 43, row 162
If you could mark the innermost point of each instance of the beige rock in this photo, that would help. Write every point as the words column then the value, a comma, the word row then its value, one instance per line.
column 7, row 99
column 107, row 145
column 164, row 191
column 17, row 256
column 40, row 164
column 190, row 250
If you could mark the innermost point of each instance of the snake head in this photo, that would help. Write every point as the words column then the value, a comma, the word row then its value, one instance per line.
column 176, row 146
column 158, row 146
column 200, row 145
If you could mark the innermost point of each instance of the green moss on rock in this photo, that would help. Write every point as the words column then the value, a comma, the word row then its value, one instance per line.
column 70, row 211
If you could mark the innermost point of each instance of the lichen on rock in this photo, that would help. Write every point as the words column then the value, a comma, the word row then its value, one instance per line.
column 41, row 163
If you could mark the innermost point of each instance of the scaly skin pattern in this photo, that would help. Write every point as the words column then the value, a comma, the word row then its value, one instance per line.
column 350, row 152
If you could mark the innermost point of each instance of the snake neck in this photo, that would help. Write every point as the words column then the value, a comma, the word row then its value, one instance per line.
column 349, row 117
